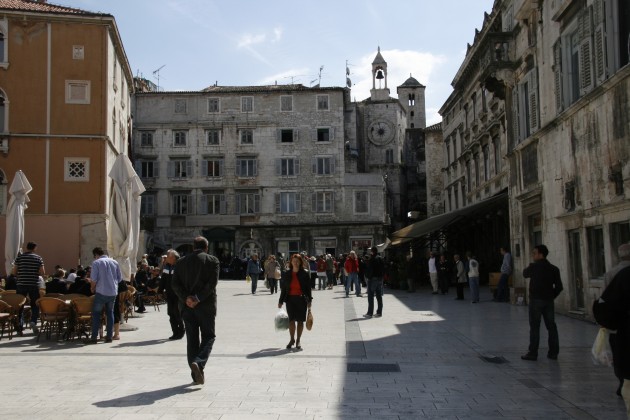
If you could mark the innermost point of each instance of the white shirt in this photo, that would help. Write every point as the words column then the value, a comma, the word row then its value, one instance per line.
column 71, row 277
column 432, row 268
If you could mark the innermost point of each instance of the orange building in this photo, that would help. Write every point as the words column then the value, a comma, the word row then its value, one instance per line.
column 65, row 89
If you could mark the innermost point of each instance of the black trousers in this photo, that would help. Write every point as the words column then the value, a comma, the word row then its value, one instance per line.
column 200, row 336
column 174, row 315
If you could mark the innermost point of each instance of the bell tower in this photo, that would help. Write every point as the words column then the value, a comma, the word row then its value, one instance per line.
column 379, row 91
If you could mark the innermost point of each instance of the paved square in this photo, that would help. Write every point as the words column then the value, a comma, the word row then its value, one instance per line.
column 444, row 349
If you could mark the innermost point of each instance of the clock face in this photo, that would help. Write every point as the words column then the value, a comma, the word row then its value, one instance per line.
column 381, row 132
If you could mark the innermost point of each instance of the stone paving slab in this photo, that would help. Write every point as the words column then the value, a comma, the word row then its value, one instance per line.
column 437, row 342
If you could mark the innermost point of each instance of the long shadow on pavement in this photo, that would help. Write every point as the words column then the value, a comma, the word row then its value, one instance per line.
column 147, row 398
column 268, row 353
column 142, row 343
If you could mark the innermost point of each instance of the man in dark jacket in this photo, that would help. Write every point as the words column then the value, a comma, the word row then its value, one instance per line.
column 617, row 294
column 195, row 284
column 544, row 286
column 172, row 306
column 375, row 270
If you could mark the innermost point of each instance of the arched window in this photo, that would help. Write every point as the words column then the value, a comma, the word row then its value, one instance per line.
column 3, row 112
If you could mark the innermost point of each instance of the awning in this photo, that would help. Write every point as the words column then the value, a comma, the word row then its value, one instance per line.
column 435, row 223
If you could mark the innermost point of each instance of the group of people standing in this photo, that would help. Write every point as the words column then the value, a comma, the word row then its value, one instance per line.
column 442, row 272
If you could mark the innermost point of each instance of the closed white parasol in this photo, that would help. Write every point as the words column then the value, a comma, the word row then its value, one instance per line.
column 20, row 187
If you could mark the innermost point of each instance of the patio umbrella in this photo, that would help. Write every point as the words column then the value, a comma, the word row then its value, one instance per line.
column 124, row 224
column 20, row 187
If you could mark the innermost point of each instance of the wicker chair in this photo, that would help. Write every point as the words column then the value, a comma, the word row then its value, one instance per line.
column 82, row 316
column 5, row 318
column 17, row 303
column 53, row 313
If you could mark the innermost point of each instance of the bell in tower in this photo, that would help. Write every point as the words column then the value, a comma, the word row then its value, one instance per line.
column 379, row 72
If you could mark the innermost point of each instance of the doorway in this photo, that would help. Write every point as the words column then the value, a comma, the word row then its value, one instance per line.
column 577, row 275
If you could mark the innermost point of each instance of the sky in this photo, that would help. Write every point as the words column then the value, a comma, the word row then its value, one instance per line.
column 195, row 43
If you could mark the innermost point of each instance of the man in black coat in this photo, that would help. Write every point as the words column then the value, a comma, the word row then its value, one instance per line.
column 172, row 305
column 617, row 294
column 195, row 284
column 544, row 287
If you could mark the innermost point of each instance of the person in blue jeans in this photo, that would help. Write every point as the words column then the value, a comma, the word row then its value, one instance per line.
column 374, row 276
column 352, row 274
column 253, row 270
column 503, row 293
column 104, row 278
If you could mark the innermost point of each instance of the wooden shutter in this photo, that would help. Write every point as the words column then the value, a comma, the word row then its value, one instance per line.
column 515, row 122
column 332, row 164
column 255, row 167
column 314, row 202
column 204, row 168
column 203, row 204
column 279, row 167
column 585, row 62
column 237, row 200
column 331, row 133
column 296, row 135
column 298, row 202
column 256, row 203
column 238, row 167
column 222, row 204
column 156, row 169
column 332, row 203
column 221, row 161
column 534, row 117
column 189, row 169
column 314, row 163
column 296, row 166
column 171, row 169
column 277, row 201
column 557, row 69
column 599, row 39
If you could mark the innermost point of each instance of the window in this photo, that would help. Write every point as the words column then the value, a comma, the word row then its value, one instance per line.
column 247, row 136
column 212, row 167
column 248, row 202
column 288, row 202
column 468, row 176
column 361, row 202
column 287, row 135
column 247, row 104
column 181, row 203
column 412, row 99
column 287, row 166
column 180, row 168
column 323, row 134
column 389, row 156
column 3, row 114
column 597, row 262
column 323, row 165
column 114, row 71
column 146, row 138
column 179, row 138
column 448, row 152
column 180, row 106
column 286, row 103
column 3, row 42
column 323, row 202
column 486, row 162
column 147, row 169
column 212, row 202
column 246, row 167
column 322, row 102
column 214, row 105
column 78, row 92
column 77, row 169
column 477, row 175
column 619, row 234
column 213, row 137
column 288, row 247
column 496, row 142
column 525, row 106
column 147, row 205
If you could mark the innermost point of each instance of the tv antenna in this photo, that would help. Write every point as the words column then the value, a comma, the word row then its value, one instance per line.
column 157, row 74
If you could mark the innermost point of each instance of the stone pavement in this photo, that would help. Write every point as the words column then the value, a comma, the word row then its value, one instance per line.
column 429, row 356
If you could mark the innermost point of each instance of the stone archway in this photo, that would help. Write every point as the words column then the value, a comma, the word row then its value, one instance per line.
column 249, row 248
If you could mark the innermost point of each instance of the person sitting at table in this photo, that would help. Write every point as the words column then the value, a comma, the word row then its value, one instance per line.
column 140, row 282
column 81, row 285
column 153, row 284
column 57, row 284
column 11, row 282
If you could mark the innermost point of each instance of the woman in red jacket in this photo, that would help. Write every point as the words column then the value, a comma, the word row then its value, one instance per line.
column 295, row 290
column 352, row 274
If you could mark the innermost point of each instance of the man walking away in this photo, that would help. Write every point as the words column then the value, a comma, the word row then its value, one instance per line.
column 460, row 274
column 195, row 284
column 104, row 278
column 503, row 293
column 172, row 303
column 253, row 271
column 544, row 287
column 28, row 266
column 375, row 271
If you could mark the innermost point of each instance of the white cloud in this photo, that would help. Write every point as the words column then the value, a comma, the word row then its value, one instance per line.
column 400, row 64
column 247, row 40
column 277, row 34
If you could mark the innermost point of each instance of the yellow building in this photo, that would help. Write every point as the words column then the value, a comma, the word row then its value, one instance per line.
column 65, row 88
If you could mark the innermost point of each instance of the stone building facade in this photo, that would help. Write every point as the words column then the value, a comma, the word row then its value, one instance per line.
column 281, row 168
column 541, row 107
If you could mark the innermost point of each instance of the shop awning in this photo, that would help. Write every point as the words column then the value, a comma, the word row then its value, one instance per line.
column 435, row 223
